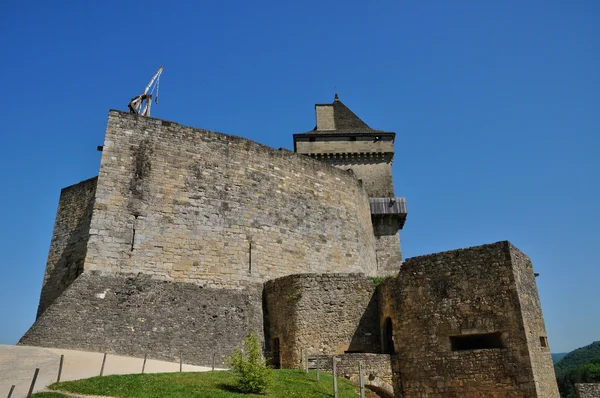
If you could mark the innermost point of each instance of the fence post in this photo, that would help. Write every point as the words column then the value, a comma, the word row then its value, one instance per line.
column 306, row 360
column 144, row 364
column 318, row 366
column 361, row 379
column 103, row 362
column 60, row 365
column 335, row 388
column 181, row 361
column 213, row 365
column 35, row 375
column 12, row 388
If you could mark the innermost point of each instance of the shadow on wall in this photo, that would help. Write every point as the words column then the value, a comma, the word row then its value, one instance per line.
column 366, row 337
column 72, row 257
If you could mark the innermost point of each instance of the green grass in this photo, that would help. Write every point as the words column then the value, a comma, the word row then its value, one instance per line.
column 49, row 395
column 378, row 279
column 288, row 383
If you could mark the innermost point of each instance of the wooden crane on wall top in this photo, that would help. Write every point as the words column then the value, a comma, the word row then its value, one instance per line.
column 145, row 99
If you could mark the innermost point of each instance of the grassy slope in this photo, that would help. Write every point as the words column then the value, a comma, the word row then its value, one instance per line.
column 221, row 384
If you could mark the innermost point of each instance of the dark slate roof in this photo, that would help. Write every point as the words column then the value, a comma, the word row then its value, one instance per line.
column 345, row 121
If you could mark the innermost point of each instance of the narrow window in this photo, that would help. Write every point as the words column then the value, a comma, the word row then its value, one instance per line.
column 132, row 239
column 133, row 233
column 476, row 341
column 250, row 257
column 544, row 341
column 388, row 337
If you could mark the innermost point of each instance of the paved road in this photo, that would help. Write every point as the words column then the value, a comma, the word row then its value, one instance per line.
column 18, row 363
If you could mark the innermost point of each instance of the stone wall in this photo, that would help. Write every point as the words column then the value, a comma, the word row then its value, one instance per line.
column 69, row 240
column 377, row 181
column 328, row 314
column 588, row 390
column 378, row 369
column 191, row 205
column 138, row 315
column 457, row 325
column 375, row 175
column 389, row 254
column 533, row 323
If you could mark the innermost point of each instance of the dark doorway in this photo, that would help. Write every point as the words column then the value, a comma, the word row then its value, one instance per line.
column 388, row 337
column 276, row 351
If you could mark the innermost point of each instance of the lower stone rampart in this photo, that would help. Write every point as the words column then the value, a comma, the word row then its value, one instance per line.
column 460, row 323
column 379, row 370
column 320, row 313
column 137, row 315
column 588, row 390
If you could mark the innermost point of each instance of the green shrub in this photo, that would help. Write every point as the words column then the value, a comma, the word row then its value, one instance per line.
column 254, row 374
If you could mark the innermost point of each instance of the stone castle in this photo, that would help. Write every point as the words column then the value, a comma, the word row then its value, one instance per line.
column 188, row 240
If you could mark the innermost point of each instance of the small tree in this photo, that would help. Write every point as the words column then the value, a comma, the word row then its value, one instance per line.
column 253, row 371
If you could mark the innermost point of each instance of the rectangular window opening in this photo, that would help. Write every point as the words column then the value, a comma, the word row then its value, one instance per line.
column 544, row 341
column 476, row 341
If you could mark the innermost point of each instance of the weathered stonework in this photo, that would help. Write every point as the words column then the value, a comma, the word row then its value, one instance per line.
column 69, row 240
column 138, row 315
column 485, row 300
column 327, row 314
column 465, row 323
column 191, row 205
column 379, row 370
column 188, row 240
column 341, row 139
column 588, row 390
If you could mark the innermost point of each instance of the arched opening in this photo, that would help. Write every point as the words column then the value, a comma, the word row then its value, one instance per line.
column 388, row 337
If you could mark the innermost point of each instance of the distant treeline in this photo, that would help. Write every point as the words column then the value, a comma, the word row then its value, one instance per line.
column 579, row 366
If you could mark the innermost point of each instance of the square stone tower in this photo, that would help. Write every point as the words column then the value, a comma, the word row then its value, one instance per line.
column 343, row 140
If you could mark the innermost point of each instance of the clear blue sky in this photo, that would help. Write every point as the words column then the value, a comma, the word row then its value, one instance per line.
column 496, row 106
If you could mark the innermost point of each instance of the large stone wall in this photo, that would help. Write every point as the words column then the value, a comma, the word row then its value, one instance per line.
column 377, row 180
column 69, row 240
column 467, row 292
column 138, row 315
column 533, row 324
column 328, row 314
column 190, row 205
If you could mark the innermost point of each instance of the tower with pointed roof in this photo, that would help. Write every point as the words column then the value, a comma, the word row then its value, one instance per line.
column 343, row 140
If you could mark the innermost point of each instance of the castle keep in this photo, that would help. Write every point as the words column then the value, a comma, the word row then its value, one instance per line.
column 188, row 240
